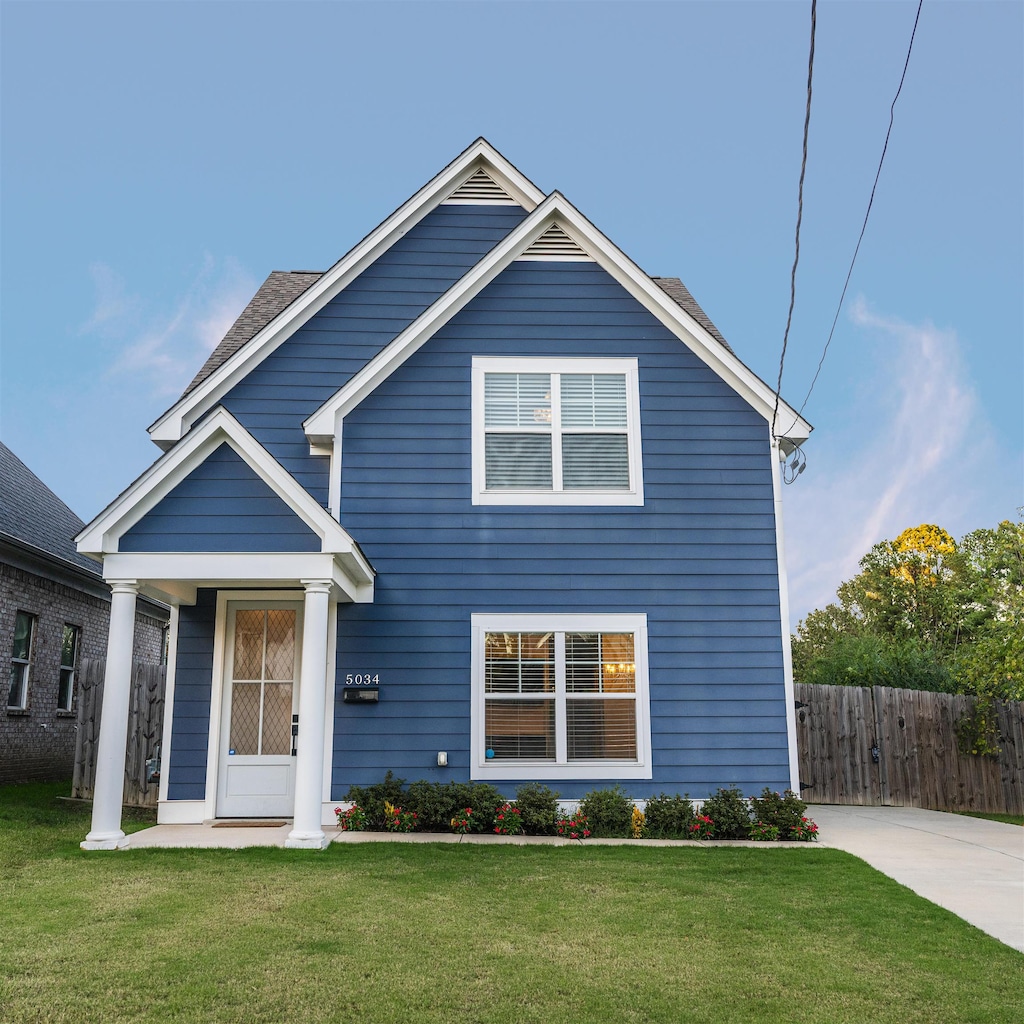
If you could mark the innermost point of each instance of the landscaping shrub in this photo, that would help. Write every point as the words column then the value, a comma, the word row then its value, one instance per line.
column 669, row 817
column 729, row 810
column 437, row 803
column 372, row 798
column 609, row 812
column 782, row 812
column 538, row 808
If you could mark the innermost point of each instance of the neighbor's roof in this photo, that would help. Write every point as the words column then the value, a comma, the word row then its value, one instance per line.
column 31, row 514
column 284, row 286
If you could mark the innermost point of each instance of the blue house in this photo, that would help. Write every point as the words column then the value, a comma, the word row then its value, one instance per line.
column 482, row 501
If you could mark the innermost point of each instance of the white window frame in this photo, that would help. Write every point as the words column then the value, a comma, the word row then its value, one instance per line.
column 634, row 495
column 480, row 768
column 23, row 666
column 68, row 672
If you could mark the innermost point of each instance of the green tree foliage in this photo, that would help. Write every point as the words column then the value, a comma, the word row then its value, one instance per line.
column 927, row 613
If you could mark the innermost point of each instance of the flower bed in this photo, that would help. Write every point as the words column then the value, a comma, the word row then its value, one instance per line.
column 478, row 808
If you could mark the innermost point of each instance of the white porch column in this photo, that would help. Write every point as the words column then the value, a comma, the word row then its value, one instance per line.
column 306, row 833
column 108, row 790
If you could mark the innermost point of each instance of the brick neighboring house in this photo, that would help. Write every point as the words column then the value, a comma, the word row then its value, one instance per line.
column 54, row 611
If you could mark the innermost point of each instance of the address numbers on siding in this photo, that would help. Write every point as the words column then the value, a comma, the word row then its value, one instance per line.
column 362, row 679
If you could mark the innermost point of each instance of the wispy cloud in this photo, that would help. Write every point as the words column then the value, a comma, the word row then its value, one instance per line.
column 160, row 344
column 920, row 451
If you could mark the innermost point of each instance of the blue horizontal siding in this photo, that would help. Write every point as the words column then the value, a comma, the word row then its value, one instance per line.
column 699, row 557
column 222, row 505
column 340, row 339
column 193, row 685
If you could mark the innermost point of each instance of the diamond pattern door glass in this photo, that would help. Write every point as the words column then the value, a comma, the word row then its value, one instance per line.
column 263, row 678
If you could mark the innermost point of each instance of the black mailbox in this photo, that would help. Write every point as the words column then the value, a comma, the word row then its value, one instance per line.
column 360, row 696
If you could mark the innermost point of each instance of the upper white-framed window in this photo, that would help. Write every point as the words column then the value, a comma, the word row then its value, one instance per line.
column 560, row 697
column 21, row 660
column 556, row 431
column 71, row 640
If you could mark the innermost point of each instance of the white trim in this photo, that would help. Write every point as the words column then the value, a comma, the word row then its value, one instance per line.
column 165, row 737
column 181, row 573
column 176, row 422
column 332, row 674
column 238, row 598
column 787, row 649
column 182, row 812
column 552, row 365
column 627, row 622
column 320, row 425
column 101, row 536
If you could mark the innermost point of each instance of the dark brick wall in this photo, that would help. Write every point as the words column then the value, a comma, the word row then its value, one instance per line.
column 39, row 742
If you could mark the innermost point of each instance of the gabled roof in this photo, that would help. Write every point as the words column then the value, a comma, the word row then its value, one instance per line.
column 282, row 287
column 102, row 535
column 34, row 517
column 204, row 394
column 710, row 347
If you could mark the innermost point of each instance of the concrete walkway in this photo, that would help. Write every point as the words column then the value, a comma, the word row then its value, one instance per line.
column 971, row 866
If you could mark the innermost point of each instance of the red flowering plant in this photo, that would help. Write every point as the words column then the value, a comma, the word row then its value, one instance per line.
column 507, row 820
column 573, row 825
column 702, row 828
column 760, row 832
column 805, row 832
column 352, row 820
column 462, row 823
column 397, row 820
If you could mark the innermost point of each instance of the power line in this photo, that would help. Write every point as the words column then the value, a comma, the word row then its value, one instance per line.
column 863, row 228
column 799, row 214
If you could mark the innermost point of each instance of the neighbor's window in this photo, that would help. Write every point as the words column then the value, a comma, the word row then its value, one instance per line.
column 556, row 431
column 560, row 696
column 68, row 666
column 21, row 659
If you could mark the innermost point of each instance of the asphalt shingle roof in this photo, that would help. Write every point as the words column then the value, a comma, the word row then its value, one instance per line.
column 676, row 290
column 32, row 514
column 276, row 294
column 283, row 287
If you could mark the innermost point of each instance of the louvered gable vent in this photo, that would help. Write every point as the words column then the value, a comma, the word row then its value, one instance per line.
column 480, row 189
column 555, row 245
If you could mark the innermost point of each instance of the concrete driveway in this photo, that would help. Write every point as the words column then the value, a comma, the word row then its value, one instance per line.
column 971, row 866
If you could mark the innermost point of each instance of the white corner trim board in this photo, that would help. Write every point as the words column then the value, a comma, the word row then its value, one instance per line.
column 177, row 420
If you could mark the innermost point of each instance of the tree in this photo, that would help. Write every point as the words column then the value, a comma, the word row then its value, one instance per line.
column 925, row 613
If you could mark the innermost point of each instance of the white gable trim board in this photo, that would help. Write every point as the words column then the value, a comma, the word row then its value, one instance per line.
column 320, row 427
column 340, row 560
column 174, row 423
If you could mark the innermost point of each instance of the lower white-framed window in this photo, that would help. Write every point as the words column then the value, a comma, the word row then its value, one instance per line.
column 560, row 696
column 21, row 660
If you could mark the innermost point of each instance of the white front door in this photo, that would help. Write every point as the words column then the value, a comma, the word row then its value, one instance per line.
column 261, row 694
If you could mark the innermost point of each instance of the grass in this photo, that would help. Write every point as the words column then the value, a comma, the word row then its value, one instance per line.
column 424, row 934
column 1010, row 819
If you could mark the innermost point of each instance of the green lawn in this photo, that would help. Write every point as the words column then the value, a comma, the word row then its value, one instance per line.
column 1009, row 819
column 410, row 934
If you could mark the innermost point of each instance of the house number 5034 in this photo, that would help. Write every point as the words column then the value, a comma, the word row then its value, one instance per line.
column 362, row 679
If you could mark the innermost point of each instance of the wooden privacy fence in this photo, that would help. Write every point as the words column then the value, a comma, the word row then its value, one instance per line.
column 145, row 725
column 899, row 748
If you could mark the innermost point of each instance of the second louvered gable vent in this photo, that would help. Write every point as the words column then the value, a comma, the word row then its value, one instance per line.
column 555, row 245
column 480, row 189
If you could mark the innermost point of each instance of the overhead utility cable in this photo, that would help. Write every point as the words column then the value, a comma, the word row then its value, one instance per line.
column 863, row 228
column 799, row 215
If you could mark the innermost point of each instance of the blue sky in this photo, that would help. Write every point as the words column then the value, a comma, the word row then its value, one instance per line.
column 159, row 159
